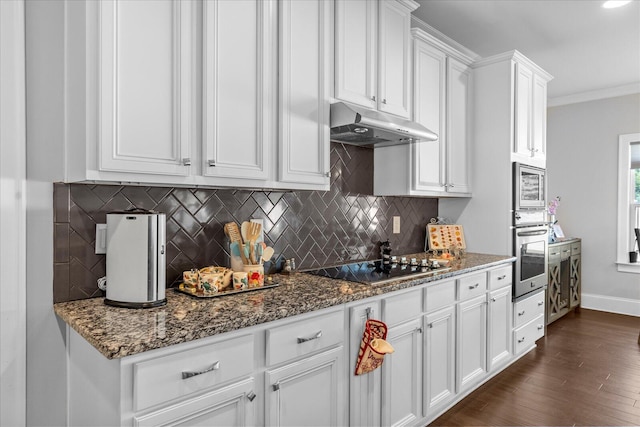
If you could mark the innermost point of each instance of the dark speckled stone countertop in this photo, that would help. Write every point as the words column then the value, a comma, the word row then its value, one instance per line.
column 119, row 332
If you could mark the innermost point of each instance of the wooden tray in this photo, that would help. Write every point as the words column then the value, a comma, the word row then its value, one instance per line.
column 228, row 292
column 442, row 237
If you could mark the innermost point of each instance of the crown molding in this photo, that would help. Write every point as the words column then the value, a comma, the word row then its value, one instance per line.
column 445, row 41
column 594, row 95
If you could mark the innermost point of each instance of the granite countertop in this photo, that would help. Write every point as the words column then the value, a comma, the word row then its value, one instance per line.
column 119, row 332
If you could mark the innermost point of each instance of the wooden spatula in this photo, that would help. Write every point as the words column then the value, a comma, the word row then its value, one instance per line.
column 253, row 232
column 231, row 229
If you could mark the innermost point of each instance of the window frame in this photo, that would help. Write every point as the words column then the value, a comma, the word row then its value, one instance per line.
column 624, row 205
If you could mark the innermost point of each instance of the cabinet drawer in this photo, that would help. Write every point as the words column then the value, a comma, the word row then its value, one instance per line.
column 525, row 336
column 528, row 309
column 400, row 308
column 303, row 337
column 179, row 374
column 472, row 286
column 439, row 295
column 576, row 248
column 500, row 277
column 555, row 253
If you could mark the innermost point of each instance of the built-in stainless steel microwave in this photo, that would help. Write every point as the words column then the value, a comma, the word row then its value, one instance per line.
column 529, row 186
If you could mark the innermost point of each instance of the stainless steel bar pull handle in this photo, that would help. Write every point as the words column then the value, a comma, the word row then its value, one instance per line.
column 540, row 303
column 540, row 327
column 521, row 340
column 474, row 286
column 314, row 337
column 504, row 276
column 521, row 313
column 189, row 374
column 186, row 161
column 211, row 163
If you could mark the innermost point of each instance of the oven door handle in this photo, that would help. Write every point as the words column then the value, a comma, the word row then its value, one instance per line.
column 532, row 233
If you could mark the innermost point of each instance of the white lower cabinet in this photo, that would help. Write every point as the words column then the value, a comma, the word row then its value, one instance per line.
column 307, row 392
column 364, row 390
column 439, row 359
column 449, row 336
column 402, row 375
column 528, row 322
column 499, row 320
column 230, row 406
column 471, row 355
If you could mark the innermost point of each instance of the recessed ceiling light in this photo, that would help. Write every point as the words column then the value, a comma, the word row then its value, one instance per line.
column 610, row 4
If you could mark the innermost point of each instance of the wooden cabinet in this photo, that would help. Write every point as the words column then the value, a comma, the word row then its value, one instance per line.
column 564, row 288
column 132, row 105
column 372, row 59
column 442, row 101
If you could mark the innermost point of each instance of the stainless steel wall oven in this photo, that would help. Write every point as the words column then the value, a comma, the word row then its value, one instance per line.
column 530, row 230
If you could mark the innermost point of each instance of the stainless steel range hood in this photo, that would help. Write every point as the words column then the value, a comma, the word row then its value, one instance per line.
column 361, row 126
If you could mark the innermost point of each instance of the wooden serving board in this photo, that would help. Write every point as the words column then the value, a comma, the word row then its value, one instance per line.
column 442, row 237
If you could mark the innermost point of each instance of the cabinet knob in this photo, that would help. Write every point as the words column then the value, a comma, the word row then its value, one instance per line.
column 251, row 396
column 384, row 101
column 419, row 329
column 211, row 163
column 276, row 386
column 186, row 161
column 373, row 98
column 493, row 300
column 327, row 174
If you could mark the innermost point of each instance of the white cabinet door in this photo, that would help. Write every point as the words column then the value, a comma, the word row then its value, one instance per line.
column 459, row 104
column 523, row 105
column 394, row 58
column 356, row 51
column 500, row 325
column 305, row 28
column 144, row 96
column 429, row 83
column 471, row 353
column 439, row 359
column 308, row 392
column 539, row 118
column 238, row 88
column 402, row 375
column 364, row 390
column 233, row 405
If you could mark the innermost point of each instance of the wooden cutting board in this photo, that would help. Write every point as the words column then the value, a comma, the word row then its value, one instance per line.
column 442, row 237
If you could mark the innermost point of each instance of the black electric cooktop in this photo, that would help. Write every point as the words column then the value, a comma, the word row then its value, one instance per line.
column 375, row 272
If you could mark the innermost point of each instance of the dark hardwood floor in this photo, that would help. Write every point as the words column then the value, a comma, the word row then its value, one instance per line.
column 585, row 371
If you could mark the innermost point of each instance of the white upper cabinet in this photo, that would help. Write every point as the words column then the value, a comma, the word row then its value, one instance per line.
column 458, row 126
column 305, row 34
column 182, row 92
column 144, row 91
column 372, row 57
column 356, row 70
column 442, row 102
column 530, row 140
column 238, row 95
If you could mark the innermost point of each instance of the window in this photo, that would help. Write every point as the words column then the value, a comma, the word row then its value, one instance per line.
column 628, row 199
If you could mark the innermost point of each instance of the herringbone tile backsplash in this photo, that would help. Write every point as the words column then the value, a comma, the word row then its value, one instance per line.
column 317, row 228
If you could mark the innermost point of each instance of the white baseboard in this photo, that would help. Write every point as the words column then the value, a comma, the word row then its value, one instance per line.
column 627, row 306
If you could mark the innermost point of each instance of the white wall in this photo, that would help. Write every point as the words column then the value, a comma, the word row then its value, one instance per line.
column 12, row 215
column 582, row 166
column 46, row 352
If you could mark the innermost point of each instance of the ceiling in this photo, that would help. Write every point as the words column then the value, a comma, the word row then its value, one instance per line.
column 584, row 46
